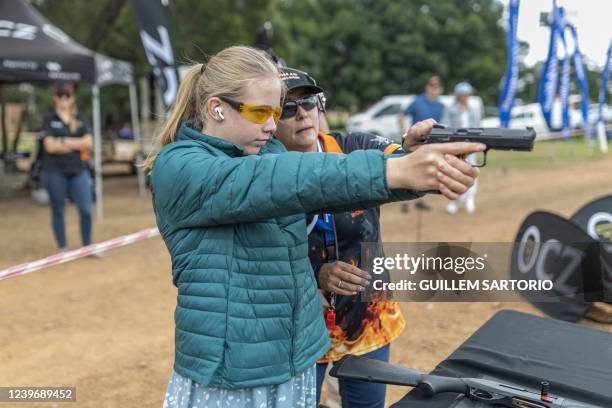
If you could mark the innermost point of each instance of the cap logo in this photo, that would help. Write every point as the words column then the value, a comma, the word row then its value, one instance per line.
column 288, row 75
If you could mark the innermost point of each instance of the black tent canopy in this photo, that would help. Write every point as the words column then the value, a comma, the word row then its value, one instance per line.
column 33, row 50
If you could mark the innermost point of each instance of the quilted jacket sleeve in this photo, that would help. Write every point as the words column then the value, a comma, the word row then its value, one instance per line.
column 367, row 141
column 394, row 195
column 194, row 188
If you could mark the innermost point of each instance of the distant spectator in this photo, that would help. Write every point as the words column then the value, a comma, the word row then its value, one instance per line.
column 66, row 140
column 126, row 133
column 462, row 114
column 425, row 106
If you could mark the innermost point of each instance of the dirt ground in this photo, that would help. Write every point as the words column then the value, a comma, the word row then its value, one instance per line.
column 105, row 325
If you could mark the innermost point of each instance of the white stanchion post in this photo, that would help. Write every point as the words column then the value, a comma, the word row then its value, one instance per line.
column 601, row 135
column 137, row 140
column 95, row 89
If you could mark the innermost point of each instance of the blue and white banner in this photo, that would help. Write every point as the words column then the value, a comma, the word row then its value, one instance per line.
column 603, row 91
column 565, row 75
column 582, row 83
column 511, row 77
column 550, row 71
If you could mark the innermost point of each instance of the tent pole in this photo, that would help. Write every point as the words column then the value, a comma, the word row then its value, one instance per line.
column 18, row 131
column 95, row 89
column 137, row 140
column 4, row 155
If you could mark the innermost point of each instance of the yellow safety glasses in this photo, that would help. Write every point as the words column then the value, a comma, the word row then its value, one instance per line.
column 255, row 113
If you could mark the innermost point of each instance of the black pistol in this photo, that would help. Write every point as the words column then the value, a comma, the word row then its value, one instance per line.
column 493, row 138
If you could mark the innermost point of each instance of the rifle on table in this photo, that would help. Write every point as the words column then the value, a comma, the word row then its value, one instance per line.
column 493, row 138
column 476, row 389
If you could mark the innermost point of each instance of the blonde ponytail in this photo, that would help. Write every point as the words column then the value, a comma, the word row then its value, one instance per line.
column 182, row 109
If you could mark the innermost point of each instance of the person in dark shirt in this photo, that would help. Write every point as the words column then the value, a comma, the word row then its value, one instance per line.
column 334, row 244
column 66, row 140
column 425, row 106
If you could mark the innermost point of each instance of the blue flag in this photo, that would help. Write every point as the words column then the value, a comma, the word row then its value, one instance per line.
column 603, row 91
column 510, row 78
column 582, row 82
column 550, row 71
column 565, row 75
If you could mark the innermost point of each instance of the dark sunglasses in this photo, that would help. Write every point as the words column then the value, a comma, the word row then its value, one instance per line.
column 64, row 94
column 290, row 107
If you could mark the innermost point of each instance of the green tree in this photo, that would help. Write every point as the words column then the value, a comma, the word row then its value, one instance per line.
column 361, row 50
column 199, row 29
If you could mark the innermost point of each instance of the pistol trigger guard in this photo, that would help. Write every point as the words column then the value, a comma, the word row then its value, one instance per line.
column 484, row 161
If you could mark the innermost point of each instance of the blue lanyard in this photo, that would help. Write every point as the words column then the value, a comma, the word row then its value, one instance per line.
column 326, row 224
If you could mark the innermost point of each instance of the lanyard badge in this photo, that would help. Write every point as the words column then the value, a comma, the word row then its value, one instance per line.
column 330, row 316
column 327, row 226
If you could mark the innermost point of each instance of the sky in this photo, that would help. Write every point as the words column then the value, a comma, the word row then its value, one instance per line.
column 592, row 19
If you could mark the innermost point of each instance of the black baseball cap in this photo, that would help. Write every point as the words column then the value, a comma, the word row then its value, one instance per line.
column 294, row 78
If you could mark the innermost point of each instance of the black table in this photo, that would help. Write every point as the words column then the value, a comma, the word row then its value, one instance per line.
column 523, row 349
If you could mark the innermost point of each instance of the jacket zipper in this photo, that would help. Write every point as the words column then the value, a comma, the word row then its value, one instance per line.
column 293, row 324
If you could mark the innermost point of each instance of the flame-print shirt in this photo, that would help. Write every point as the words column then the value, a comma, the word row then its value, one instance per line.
column 361, row 327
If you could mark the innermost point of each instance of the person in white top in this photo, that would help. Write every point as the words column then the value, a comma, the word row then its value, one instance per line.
column 462, row 114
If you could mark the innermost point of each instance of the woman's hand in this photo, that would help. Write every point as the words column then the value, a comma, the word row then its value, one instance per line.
column 416, row 135
column 343, row 278
column 435, row 167
column 80, row 143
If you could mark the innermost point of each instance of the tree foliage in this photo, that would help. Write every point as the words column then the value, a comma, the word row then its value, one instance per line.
column 363, row 49
column 358, row 50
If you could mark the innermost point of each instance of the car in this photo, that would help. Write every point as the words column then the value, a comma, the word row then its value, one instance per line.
column 381, row 118
column 529, row 115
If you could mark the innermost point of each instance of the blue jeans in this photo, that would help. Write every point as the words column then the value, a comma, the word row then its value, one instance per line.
column 61, row 186
column 359, row 394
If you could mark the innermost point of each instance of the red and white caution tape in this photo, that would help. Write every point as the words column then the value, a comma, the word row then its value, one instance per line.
column 77, row 253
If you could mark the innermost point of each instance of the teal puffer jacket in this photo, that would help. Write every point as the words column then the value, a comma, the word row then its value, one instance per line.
column 248, row 311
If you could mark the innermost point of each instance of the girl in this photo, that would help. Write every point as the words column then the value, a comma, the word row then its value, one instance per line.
column 230, row 203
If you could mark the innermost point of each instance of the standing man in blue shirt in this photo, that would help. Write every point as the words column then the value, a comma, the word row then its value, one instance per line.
column 424, row 106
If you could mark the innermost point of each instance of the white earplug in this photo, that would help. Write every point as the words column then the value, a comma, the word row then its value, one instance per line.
column 219, row 112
